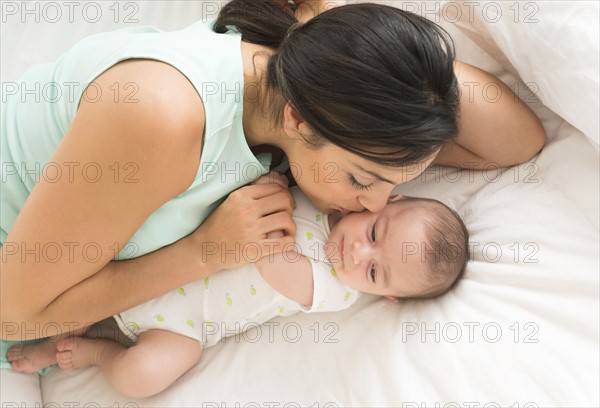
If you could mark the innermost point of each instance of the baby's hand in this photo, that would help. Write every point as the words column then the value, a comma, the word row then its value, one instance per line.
column 277, row 178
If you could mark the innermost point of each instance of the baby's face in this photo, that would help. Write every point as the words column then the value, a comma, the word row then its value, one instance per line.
column 380, row 253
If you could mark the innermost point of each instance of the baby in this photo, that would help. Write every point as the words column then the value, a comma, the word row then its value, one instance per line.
column 413, row 248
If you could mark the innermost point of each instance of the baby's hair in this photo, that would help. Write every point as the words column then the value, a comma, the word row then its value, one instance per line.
column 447, row 241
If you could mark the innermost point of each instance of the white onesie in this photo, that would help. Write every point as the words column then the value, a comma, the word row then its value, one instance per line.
column 234, row 300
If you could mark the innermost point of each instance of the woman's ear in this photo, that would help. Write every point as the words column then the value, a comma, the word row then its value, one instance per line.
column 293, row 124
column 291, row 120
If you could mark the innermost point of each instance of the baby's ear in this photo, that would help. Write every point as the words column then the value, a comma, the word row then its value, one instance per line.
column 392, row 299
column 395, row 197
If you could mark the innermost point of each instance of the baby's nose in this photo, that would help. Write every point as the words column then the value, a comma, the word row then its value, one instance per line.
column 359, row 252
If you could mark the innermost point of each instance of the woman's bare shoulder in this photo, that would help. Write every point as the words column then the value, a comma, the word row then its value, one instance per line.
column 153, row 113
column 143, row 147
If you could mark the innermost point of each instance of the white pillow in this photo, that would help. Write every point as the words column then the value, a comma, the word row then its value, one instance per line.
column 553, row 46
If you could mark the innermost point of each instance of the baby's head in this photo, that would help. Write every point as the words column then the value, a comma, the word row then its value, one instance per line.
column 413, row 248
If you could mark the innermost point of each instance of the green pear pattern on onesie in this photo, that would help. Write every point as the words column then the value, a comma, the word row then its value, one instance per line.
column 234, row 300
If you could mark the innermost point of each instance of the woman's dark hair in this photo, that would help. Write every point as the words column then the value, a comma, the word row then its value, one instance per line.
column 374, row 80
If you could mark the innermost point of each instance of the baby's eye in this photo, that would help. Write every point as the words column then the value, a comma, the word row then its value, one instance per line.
column 373, row 232
column 373, row 273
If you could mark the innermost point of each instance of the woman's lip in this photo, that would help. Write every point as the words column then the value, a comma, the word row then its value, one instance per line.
column 344, row 211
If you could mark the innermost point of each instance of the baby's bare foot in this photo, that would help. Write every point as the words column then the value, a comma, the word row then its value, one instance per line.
column 76, row 352
column 32, row 357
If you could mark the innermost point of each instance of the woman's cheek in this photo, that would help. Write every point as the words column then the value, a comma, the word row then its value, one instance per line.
column 313, row 192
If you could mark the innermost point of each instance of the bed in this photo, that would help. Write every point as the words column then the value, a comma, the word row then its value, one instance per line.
column 522, row 328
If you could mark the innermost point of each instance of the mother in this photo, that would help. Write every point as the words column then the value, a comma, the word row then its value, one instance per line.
column 355, row 99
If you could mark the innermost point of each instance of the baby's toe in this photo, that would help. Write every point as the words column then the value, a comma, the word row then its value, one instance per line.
column 65, row 344
column 15, row 353
column 64, row 359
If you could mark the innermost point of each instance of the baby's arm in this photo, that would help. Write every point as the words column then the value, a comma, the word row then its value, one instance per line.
column 289, row 274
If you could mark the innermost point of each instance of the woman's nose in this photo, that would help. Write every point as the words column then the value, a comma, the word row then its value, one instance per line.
column 373, row 202
column 361, row 252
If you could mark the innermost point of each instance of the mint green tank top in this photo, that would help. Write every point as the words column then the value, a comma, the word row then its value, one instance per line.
column 37, row 115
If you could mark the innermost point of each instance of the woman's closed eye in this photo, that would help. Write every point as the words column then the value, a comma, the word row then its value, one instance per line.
column 358, row 185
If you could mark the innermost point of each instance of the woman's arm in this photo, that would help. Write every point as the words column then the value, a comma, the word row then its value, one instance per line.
column 123, row 284
column 89, row 222
column 496, row 128
column 116, row 287
column 161, row 134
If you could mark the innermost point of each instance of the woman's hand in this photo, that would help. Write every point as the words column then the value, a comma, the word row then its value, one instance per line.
column 273, row 177
column 236, row 233
column 277, row 178
column 307, row 9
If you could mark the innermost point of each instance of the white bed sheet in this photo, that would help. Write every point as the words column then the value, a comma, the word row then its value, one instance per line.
column 521, row 330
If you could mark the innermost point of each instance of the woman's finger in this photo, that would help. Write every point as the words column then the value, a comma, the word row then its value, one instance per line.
column 279, row 178
column 280, row 221
column 273, row 177
column 260, row 194
column 270, row 247
column 257, row 191
column 275, row 234
column 238, row 225
column 280, row 201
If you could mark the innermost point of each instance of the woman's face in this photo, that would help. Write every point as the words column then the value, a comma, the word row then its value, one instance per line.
column 337, row 180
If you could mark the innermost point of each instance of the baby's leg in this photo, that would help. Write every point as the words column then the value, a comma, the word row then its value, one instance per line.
column 31, row 358
column 140, row 371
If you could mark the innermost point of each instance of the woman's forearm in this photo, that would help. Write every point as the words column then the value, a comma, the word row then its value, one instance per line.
column 116, row 287
column 238, row 224
column 498, row 132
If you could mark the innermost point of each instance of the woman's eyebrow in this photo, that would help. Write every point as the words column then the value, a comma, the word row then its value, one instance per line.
column 377, row 176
